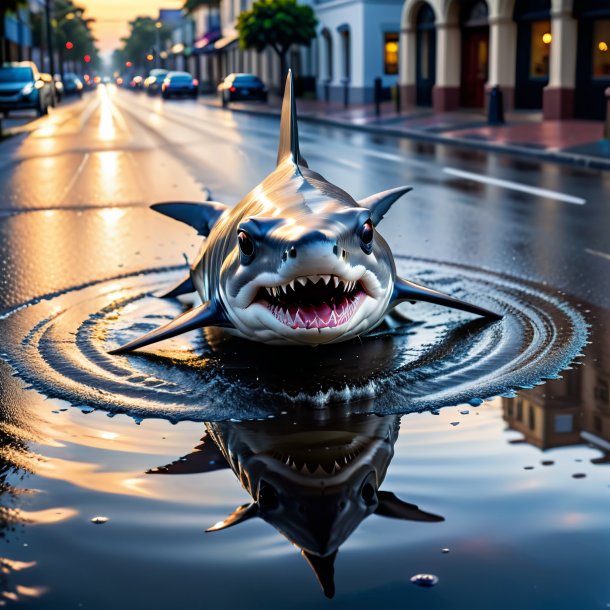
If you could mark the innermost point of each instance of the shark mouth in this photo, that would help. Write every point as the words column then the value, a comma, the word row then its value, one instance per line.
column 320, row 461
column 313, row 301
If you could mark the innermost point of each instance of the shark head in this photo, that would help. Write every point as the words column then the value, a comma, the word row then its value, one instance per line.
column 314, row 482
column 296, row 261
column 306, row 263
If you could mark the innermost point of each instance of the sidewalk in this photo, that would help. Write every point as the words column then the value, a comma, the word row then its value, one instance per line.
column 573, row 142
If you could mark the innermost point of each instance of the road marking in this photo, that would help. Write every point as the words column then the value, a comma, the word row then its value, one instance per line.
column 596, row 253
column 348, row 163
column 515, row 186
column 75, row 177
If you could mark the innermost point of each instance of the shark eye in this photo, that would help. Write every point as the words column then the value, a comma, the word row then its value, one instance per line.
column 368, row 494
column 246, row 246
column 366, row 237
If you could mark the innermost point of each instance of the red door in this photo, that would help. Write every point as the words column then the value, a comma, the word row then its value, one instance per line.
column 475, row 53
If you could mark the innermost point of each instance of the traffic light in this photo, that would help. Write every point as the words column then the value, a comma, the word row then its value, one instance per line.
column 69, row 45
column 87, row 58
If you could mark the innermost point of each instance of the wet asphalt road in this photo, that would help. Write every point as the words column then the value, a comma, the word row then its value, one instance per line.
column 116, row 149
column 74, row 209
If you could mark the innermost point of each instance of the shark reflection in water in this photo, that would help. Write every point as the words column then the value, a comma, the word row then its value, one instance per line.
column 313, row 476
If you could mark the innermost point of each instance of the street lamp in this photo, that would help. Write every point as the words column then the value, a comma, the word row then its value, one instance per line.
column 158, row 26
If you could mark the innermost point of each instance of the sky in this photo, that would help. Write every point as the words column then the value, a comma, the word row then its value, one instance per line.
column 112, row 17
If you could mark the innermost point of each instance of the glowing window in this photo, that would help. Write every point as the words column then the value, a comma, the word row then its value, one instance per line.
column 390, row 53
column 601, row 54
column 540, row 50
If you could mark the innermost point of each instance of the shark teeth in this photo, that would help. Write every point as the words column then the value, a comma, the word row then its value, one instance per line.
column 327, row 279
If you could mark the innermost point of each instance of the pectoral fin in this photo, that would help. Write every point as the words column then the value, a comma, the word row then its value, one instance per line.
column 239, row 515
column 208, row 314
column 184, row 286
column 409, row 291
column 392, row 506
column 200, row 216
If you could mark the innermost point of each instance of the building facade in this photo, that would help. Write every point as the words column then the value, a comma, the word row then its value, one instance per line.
column 551, row 55
column 357, row 42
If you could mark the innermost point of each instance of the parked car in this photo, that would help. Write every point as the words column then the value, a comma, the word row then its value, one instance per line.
column 136, row 83
column 179, row 83
column 73, row 84
column 242, row 87
column 23, row 87
column 59, row 88
column 155, row 79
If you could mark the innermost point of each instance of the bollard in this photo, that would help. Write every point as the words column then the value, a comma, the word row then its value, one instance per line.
column 495, row 115
column 377, row 94
column 607, row 123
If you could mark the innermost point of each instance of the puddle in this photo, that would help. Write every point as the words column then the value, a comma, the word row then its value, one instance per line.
column 438, row 357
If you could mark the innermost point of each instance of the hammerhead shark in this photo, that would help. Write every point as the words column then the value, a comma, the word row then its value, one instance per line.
column 314, row 481
column 296, row 261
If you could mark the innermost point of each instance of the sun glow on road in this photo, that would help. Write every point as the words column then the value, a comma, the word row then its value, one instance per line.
column 107, row 128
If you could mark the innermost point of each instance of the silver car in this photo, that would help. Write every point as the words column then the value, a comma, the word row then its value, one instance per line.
column 23, row 87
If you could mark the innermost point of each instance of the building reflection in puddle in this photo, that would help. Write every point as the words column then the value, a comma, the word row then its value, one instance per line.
column 573, row 410
column 314, row 477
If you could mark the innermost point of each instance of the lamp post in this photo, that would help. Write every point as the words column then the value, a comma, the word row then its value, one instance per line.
column 47, row 8
column 158, row 27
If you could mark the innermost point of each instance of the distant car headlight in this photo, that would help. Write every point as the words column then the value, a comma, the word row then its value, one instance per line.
column 27, row 90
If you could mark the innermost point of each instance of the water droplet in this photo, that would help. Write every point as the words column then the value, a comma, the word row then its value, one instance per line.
column 465, row 412
column 424, row 580
column 455, row 423
column 528, row 468
column 475, row 402
column 579, row 475
column 547, row 462
column 99, row 520
column 444, row 551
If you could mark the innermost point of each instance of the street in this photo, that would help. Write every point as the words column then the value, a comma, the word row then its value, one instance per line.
column 75, row 220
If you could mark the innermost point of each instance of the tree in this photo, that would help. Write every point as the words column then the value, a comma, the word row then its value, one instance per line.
column 278, row 24
column 193, row 5
column 142, row 40
column 7, row 6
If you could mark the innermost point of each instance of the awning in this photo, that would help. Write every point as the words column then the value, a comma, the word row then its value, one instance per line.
column 226, row 41
column 206, row 40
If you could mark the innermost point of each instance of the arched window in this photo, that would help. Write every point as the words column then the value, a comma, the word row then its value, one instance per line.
column 328, row 54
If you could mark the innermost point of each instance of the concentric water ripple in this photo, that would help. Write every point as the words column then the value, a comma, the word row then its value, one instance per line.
column 438, row 357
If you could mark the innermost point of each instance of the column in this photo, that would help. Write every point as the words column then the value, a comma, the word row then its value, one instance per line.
column 407, row 68
column 503, row 58
column 558, row 96
column 446, row 91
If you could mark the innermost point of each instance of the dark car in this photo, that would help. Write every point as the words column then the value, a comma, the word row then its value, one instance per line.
column 23, row 87
column 242, row 87
column 155, row 79
column 179, row 83
column 73, row 84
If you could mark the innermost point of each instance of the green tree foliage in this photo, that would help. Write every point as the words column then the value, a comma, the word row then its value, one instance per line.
column 192, row 5
column 142, row 40
column 278, row 24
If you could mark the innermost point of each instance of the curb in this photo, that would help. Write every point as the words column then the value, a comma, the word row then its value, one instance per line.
column 548, row 155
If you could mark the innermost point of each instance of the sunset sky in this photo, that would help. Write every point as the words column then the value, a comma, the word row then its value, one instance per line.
column 112, row 17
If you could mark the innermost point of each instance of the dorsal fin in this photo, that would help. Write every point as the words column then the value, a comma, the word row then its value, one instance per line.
column 289, row 130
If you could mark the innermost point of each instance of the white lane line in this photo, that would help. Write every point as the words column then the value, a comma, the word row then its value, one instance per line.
column 75, row 177
column 515, row 186
column 597, row 253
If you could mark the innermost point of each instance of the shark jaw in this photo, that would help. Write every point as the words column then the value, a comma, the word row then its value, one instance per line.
column 309, row 309
column 314, row 301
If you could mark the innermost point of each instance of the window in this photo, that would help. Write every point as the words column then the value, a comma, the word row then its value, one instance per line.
column 564, row 423
column 390, row 53
column 601, row 50
column 540, row 50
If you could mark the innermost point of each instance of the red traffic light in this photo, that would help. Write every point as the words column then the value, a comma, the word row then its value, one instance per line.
column 69, row 45
column 128, row 64
column 87, row 58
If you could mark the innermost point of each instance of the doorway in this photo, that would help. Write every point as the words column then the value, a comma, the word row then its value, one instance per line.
column 475, row 53
column 425, row 55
